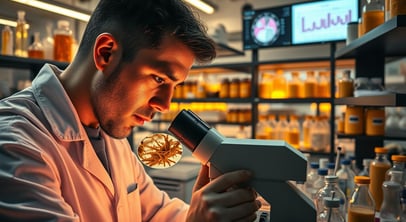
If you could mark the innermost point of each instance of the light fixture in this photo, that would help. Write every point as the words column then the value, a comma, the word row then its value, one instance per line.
column 202, row 6
column 56, row 9
column 8, row 22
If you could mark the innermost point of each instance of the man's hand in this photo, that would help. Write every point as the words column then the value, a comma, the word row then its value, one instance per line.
column 221, row 199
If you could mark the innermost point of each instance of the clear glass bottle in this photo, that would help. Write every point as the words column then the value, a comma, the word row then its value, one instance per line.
column 345, row 85
column 331, row 187
column 366, row 162
column 293, row 134
column 361, row 207
column 331, row 211
column 362, row 86
column 266, row 85
column 324, row 87
column 282, row 127
column 48, row 42
column 346, row 177
column 36, row 49
column 63, row 42
column 311, row 177
column 391, row 206
column 262, row 128
column 310, row 85
column 279, row 89
column 21, row 40
column 318, row 135
column 306, row 127
column 320, row 182
column 373, row 15
column 7, row 41
column 295, row 86
column 398, row 165
column 377, row 171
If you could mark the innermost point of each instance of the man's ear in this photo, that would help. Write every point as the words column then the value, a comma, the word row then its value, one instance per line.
column 106, row 52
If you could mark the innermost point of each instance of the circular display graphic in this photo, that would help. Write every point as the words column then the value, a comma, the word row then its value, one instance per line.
column 160, row 151
column 265, row 28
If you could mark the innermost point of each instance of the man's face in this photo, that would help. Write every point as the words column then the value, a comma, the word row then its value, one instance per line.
column 133, row 92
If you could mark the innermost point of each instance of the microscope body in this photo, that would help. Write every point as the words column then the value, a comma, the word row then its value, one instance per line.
column 274, row 164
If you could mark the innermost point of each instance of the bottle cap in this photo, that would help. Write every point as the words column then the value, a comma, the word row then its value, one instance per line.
column 322, row 171
column 331, row 178
column 314, row 165
column 362, row 179
column 380, row 150
column 398, row 158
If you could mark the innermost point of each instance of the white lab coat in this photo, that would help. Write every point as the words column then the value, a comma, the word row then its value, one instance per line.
column 49, row 170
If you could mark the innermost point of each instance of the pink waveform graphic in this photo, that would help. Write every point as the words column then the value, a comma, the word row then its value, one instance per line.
column 265, row 23
column 326, row 23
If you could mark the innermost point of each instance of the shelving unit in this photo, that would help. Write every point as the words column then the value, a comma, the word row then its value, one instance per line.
column 370, row 53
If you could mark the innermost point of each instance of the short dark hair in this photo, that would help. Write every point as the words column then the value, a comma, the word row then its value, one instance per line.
column 138, row 24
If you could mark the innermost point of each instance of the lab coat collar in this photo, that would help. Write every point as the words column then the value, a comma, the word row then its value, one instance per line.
column 64, row 120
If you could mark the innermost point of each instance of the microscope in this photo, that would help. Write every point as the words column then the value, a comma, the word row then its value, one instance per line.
column 274, row 163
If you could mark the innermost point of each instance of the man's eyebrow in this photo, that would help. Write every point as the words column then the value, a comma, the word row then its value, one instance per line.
column 167, row 69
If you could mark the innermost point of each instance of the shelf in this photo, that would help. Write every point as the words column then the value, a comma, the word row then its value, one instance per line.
column 387, row 136
column 395, row 99
column 224, row 51
column 27, row 63
column 303, row 64
column 220, row 100
column 386, row 40
column 295, row 100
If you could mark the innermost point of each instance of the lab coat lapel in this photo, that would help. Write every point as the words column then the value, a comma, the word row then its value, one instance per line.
column 94, row 166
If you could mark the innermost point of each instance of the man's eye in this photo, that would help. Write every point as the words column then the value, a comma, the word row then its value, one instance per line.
column 158, row 79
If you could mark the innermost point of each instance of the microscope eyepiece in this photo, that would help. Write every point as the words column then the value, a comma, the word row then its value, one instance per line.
column 189, row 129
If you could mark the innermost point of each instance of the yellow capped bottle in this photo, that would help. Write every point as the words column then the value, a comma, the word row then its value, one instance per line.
column 377, row 172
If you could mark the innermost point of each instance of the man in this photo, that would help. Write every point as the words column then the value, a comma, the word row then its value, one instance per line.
column 63, row 149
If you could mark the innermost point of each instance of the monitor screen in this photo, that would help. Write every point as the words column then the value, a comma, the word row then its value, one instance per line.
column 303, row 23
column 266, row 27
column 322, row 21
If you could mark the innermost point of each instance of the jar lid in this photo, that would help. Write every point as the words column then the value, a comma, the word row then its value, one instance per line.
column 400, row 158
column 362, row 179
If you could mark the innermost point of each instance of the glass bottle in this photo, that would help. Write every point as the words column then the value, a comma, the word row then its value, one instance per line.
column 48, row 43
column 365, row 170
column 331, row 211
column 346, row 177
column 391, row 206
column 403, row 203
column 311, row 177
column 345, row 86
column 306, row 127
column 245, row 88
column 7, row 41
column 362, row 86
column 323, row 87
column 36, row 49
column 398, row 165
column 279, row 85
column 282, row 127
column 373, row 15
column 262, row 128
column 234, row 88
column 295, row 86
column 63, row 42
column 293, row 134
column 266, row 85
column 320, row 182
column 310, row 85
column 21, row 40
column 318, row 134
column 331, row 187
column 377, row 171
column 361, row 207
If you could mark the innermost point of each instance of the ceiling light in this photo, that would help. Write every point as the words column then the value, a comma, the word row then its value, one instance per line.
column 202, row 6
column 56, row 9
column 8, row 22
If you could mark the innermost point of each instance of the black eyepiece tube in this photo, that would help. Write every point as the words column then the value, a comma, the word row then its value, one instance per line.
column 189, row 129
